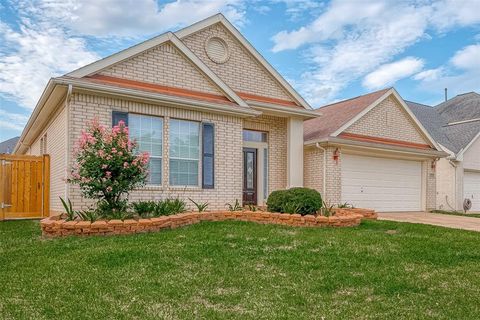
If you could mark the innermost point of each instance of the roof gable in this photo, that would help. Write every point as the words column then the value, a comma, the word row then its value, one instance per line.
column 338, row 114
column 163, row 65
column 172, row 47
column 245, row 69
column 390, row 121
column 339, row 117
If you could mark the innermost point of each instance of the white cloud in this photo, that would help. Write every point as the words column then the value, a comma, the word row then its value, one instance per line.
column 388, row 74
column 54, row 35
column 32, row 55
column 349, row 40
column 430, row 74
column 467, row 58
column 460, row 74
column 13, row 121
column 107, row 18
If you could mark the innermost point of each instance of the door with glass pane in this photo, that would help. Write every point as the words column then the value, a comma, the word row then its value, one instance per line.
column 249, row 176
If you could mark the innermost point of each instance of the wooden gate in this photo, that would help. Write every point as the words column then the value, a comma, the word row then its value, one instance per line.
column 24, row 186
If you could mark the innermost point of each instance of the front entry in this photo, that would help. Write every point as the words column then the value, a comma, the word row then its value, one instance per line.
column 249, row 176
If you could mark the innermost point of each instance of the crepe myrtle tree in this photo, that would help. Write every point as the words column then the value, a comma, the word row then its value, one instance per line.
column 107, row 166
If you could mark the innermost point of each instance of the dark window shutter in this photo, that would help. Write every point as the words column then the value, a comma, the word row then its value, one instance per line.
column 208, row 158
column 118, row 116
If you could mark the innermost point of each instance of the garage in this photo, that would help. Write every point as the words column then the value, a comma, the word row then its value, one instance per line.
column 471, row 188
column 382, row 184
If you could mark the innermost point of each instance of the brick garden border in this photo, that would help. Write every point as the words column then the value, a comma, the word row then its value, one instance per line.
column 56, row 227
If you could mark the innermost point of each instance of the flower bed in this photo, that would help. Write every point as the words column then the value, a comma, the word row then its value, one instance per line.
column 57, row 227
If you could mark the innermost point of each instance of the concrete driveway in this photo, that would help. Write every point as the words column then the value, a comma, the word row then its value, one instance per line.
column 435, row 219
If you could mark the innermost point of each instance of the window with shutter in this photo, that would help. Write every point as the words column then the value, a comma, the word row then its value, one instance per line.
column 208, row 149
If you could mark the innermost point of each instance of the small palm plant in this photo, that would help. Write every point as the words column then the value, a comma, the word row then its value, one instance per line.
column 201, row 206
column 71, row 214
column 234, row 207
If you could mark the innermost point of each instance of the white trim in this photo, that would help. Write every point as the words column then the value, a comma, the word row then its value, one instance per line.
column 283, row 110
column 139, row 48
column 219, row 18
column 462, row 152
column 393, row 92
column 464, row 121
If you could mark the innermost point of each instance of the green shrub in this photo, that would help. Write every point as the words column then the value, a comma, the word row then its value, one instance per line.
column 119, row 210
column 168, row 207
column 295, row 200
column 144, row 209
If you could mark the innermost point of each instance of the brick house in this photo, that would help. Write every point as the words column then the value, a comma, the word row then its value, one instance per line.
column 372, row 152
column 218, row 120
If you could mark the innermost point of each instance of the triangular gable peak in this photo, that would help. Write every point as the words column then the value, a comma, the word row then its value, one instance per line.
column 163, row 61
column 387, row 119
column 225, row 51
column 163, row 65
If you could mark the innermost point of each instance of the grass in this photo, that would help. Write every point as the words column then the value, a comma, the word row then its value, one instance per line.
column 457, row 213
column 220, row 270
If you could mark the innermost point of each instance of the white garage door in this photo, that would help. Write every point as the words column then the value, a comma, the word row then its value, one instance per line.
column 382, row 184
column 471, row 188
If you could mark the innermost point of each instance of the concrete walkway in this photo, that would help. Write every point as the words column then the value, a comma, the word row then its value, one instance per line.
column 436, row 219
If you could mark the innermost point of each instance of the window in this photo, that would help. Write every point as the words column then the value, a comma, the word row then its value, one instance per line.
column 254, row 136
column 148, row 132
column 184, row 152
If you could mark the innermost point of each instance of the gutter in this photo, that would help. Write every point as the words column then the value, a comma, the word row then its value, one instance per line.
column 324, row 187
column 369, row 145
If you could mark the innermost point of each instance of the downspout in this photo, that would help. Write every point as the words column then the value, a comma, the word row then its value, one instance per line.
column 67, row 158
column 324, row 168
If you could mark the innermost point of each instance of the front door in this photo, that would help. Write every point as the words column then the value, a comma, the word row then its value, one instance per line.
column 249, row 176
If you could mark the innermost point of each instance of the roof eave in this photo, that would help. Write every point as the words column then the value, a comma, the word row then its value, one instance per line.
column 335, row 141
column 159, row 98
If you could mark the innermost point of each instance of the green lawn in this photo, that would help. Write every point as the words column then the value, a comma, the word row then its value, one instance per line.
column 242, row 270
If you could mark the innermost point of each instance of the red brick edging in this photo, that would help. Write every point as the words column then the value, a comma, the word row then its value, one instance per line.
column 56, row 227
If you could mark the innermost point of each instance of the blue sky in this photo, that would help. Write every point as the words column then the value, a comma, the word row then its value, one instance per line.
column 328, row 50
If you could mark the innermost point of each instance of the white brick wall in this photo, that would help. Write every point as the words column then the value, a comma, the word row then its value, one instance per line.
column 388, row 120
column 241, row 72
column 228, row 148
column 163, row 65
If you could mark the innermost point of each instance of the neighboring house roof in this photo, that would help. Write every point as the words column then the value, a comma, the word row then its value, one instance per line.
column 7, row 146
column 453, row 123
column 462, row 107
column 335, row 115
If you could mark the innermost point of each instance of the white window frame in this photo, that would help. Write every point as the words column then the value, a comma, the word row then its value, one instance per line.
column 199, row 169
column 148, row 183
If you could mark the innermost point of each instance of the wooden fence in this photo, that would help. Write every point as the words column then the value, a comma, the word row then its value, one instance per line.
column 24, row 186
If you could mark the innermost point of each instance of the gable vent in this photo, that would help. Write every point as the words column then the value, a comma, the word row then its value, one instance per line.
column 217, row 50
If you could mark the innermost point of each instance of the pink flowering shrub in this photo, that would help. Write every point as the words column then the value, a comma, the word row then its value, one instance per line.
column 106, row 166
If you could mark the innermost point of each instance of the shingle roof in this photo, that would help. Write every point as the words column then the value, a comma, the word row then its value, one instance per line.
column 462, row 107
column 440, row 120
column 8, row 145
column 335, row 115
